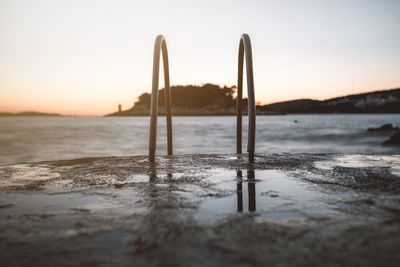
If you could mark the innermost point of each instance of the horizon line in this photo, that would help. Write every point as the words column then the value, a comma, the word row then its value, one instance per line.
column 258, row 103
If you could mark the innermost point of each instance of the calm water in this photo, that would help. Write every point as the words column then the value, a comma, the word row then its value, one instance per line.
column 40, row 138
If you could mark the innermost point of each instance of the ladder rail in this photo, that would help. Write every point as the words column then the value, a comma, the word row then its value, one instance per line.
column 160, row 45
column 245, row 53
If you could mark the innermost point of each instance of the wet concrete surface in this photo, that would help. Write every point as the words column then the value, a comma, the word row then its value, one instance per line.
column 202, row 210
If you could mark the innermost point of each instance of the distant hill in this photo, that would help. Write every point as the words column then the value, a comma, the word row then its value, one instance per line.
column 193, row 100
column 211, row 99
column 28, row 114
column 387, row 101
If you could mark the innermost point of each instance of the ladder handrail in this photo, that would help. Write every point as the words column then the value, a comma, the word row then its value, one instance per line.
column 160, row 45
column 245, row 49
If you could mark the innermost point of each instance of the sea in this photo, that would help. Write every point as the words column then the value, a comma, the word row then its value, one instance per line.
column 33, row 139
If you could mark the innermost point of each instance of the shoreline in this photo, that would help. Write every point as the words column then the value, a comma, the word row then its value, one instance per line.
column 234, row 115
column 182, row 115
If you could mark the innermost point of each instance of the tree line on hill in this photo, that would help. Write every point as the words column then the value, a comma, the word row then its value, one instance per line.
column 211, row 99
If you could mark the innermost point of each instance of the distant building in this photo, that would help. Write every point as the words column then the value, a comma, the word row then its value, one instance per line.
column 119, row 107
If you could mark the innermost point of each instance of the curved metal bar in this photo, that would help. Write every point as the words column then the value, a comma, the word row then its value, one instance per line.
column 245, row 49
column 160, row 45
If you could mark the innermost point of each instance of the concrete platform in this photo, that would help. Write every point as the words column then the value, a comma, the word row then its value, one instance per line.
column 202, row 210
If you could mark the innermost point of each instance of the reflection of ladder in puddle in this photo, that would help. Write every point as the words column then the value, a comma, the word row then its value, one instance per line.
column 251, row 190
column 244, row 52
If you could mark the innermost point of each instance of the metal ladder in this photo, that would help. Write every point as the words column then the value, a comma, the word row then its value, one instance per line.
column 244, row 52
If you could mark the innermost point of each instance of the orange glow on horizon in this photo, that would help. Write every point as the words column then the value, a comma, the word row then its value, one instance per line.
column 101, row 108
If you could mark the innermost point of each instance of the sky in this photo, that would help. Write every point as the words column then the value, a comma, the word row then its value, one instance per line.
column 84, row 57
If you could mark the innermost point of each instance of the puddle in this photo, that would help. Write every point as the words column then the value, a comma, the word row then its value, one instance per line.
column 269, row 194
column 115, row 200
column 214, row 193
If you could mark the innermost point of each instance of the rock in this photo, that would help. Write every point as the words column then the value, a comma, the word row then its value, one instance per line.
column 393, row 140
column 5, row 206
column 287, row 210
column 384, row 127
column 270, row 193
